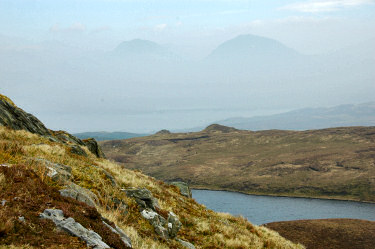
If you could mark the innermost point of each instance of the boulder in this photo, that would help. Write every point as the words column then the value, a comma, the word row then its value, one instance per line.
column 186, row 244
column 76, row 149
column 80, row 194
column 157, row 221
column 58, row 172
column 17, row 119
column 184, row 188
column 74, row 228
column 93, row 146
column 174, row 225
column 143, row 197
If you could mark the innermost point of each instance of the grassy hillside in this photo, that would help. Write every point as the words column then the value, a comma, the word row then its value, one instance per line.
column 328, row 233
column 330, row 163
column 35, row 169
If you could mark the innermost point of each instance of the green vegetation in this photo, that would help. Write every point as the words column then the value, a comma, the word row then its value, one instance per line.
column 330, row 163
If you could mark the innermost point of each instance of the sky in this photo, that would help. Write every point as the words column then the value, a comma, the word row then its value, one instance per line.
column 194, row 26
column 55, row 60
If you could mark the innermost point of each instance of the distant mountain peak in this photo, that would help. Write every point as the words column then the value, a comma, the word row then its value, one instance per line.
column 253, row 46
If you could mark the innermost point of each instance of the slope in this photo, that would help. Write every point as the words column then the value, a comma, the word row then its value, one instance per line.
column 44, row 184
column 330, row 163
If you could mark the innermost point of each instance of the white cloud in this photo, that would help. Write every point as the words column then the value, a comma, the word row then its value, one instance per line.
column 325, row 5
column 160, row 27
column 74, row 28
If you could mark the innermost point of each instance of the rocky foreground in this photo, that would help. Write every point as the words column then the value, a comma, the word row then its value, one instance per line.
column 57, row 191
column 335, row 163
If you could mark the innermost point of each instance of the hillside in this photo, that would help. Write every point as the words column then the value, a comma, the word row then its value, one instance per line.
column 57, row 191
column 309, row 118
column 102, row 135
column 328, row 233
column 329, row 163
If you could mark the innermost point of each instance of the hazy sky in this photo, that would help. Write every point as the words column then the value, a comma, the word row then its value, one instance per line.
column 55, row 60
column 195, row 26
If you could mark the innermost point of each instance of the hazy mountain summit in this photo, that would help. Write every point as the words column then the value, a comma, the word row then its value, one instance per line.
column 251, row 47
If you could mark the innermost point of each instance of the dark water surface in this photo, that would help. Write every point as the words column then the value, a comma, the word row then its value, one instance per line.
column 264, row 209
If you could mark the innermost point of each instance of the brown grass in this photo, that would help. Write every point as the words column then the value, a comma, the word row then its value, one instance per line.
column 333, row 163
column 35, row 192
column 328, row 233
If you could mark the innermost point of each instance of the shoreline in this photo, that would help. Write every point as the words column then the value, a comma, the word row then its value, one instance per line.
column 274, row 195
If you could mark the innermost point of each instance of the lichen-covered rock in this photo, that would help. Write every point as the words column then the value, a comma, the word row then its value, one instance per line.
column 80, row 194
column 143, row 197
column 15, row 118
column 93, row 146
column 74, row 228
column 186, row 244
column 174, row 225
column 58, row 172
column 184, row 188
column 157, row 221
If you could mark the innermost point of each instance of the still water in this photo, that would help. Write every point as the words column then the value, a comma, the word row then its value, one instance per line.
column 264, row 209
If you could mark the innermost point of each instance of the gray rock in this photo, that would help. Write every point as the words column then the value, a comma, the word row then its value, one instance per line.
column 58, row 172
column 21, row 218
column 184, row 188
column 93, row 146
column 80, row 194
column 186, row 244
column 72, row 227
column 17, row 119
column 4, row 165
column 143, row 197
column 120, row 232
column 157, row 221
column 76, row 149
column 174, row 225
column 3, row 202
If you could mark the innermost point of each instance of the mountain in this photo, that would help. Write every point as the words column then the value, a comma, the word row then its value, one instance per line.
column 329, row 163
column 251, row 47
column 102, row 135
column 309, row 118
column 55, row 192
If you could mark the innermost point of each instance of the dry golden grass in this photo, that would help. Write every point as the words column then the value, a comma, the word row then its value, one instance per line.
column 204, row 228
column 330, row 163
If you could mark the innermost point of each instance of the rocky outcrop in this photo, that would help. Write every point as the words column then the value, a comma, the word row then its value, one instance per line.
column 72, row 227
column 157, row 221
column 143, row 197
column 219, row 128
column 165, row 228
column 174, row 225
column 80, row 194
column 161, row 132
column 15, row 118
column 93, row 146
column 183, row 187
column 57, row 172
